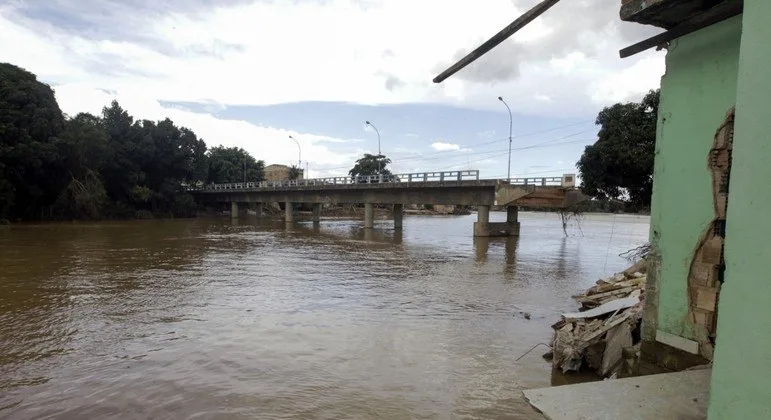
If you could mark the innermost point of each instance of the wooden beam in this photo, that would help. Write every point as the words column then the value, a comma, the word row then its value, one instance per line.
column 712, row 16
column 501, row 36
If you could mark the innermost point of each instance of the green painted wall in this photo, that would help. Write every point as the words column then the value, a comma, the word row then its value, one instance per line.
column 696, row 92
column 742, row 363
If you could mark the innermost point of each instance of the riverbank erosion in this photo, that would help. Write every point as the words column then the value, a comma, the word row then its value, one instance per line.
column 604, row 335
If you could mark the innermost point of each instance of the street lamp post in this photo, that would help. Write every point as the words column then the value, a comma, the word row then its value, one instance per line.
column 511, row 126
column 379, row 169
column 299, row 153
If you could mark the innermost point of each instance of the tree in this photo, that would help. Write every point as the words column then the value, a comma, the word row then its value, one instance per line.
column 370, row 165
column 91, row 166
column 233, row 164
column 295, row 173
column 619, row 165
column 30, row 121
column 84, row 152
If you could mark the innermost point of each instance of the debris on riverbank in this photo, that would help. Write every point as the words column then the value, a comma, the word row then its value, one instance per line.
column 606, row 329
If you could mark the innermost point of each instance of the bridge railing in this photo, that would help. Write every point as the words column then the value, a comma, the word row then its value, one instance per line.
column 349, row 180
column 564, row 181
column 547, row 181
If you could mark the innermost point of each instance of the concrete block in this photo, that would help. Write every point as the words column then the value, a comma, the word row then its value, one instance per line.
column 677, row 342
column 712, row 251
column 705, row 274
column 706, row 298
column 487, row 229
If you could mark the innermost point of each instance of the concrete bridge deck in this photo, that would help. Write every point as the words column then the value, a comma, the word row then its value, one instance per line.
column 444, row 188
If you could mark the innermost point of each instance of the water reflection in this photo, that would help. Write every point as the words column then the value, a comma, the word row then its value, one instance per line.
column 508, row 243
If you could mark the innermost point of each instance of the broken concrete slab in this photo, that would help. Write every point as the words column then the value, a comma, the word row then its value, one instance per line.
column 619, row 338
column 678, row 395
column 605, row 308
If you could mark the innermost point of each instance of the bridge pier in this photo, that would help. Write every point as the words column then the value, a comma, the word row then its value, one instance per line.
column 316, row 213
column 484, row 228
column 481, row 226
column 512, row 219
column 369, row 215
column 288, row 211
column 398, row 216
column 258, row 210
column 234, row 210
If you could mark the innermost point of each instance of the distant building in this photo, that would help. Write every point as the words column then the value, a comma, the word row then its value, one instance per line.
column 279, row 173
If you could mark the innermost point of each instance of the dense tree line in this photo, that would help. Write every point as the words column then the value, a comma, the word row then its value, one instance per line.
column 619, row 166
column 97, row 166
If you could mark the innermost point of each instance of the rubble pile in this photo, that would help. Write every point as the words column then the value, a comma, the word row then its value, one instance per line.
column 606, row 329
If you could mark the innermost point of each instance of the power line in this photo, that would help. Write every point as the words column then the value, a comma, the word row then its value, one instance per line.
column 549, row 143
column 515, row 137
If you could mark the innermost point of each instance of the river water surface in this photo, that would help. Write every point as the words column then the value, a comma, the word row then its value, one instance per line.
column 208, row 318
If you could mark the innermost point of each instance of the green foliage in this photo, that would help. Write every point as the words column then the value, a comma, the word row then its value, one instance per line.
column 92, row 166
column 371, row 165
column 295, row 173
column 233, row 164
column 619, row 166
column 140, row 194
column 30, row 121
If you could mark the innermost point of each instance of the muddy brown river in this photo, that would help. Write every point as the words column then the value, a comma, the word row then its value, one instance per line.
column 210, row 319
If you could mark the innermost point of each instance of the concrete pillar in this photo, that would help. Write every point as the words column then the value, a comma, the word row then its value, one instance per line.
column 398, row 216
column 512, row 212
column 483, row 214
column 288, row 211
column 512, row 218
column 316, row 212
column 258, row 210
column 369, row 216
column 482, row 225
column 233, row 210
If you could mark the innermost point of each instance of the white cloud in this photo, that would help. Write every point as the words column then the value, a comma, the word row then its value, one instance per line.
column 441, row 146
column 541, row 97
column 626, row 84
column 338, row 50
column 359, row 51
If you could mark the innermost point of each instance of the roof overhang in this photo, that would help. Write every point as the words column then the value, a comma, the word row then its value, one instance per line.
column 679, row 17
column 663, row 13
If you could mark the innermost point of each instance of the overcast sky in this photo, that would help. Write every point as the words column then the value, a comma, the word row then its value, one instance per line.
column 251, row 73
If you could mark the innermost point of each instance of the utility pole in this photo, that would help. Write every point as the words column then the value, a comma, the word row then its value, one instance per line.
column 379, row 167
column 511, row 126
column 299, row 153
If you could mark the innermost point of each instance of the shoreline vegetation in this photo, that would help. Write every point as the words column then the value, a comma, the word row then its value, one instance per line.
column 57, row 167
column 110, row 166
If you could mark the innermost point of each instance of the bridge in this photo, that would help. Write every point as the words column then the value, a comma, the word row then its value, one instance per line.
column 445, row 188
